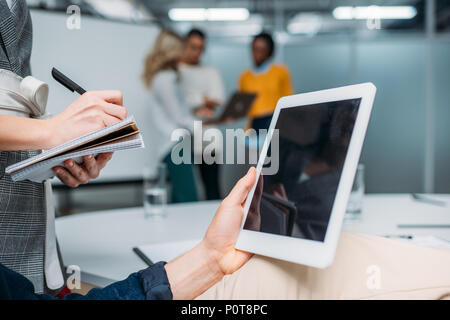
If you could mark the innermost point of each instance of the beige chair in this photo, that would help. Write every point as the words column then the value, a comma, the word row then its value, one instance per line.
column 365, row 267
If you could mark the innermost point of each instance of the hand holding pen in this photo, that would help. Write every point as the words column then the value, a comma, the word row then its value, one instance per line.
column 92, row 111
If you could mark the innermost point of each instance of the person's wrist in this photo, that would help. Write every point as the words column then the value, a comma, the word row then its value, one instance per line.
column 212, row 257
column 48, row 137
column 193, row 273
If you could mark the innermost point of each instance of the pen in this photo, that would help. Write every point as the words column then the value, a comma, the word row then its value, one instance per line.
column 423, row 226
column 143, row 256
column 419, row 197
column 401, row 236
column 66, row 82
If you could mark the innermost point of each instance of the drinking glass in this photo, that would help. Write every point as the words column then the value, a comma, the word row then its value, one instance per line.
column 155, row 192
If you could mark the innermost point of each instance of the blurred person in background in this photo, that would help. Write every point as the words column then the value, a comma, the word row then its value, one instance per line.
column 204, row 91
column 270, row 81
column 169, row 111
column 202, row 84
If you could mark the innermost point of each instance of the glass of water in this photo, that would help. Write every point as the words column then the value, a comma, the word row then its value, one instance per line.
column 355, row 202
column 155, row 192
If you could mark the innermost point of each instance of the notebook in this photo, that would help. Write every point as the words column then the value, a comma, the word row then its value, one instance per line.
column 122, row 135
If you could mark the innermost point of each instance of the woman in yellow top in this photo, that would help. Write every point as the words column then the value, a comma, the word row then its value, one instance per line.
column 269, row 80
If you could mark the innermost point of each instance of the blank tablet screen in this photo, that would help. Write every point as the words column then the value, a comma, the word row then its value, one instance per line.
column 297, row 188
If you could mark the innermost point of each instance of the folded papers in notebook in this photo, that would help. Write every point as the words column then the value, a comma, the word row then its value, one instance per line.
column 122, row 135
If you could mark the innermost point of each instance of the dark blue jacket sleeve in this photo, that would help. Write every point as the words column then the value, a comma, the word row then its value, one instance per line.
column 151, row 283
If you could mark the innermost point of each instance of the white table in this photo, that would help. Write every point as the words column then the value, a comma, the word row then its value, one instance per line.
column 101, row 242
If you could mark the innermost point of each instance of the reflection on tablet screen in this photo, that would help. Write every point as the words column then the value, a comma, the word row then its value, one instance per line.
column 297, row 200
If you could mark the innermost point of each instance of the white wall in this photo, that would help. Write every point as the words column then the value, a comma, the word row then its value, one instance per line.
column 395, row 143
column 442, row 115
column 101, row 55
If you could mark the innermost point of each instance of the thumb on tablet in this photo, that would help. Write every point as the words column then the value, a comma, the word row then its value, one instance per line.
column 240, row 191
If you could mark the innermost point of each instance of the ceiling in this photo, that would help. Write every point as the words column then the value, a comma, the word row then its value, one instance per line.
column 264, row 14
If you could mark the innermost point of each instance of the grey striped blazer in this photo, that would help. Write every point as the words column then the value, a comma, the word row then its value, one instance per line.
column 22, row 204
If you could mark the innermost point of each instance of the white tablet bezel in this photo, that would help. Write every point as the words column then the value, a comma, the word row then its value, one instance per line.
column 308, row 252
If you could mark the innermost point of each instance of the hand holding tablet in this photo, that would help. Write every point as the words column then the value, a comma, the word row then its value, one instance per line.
column 295, row 210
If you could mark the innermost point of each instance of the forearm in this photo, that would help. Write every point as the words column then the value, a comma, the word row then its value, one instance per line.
column 18, row 133
column 150, row 284
column 128, row 289
column 193, row 273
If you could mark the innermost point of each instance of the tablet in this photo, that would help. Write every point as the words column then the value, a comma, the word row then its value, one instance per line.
column 306, row 168
column 238, row 106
